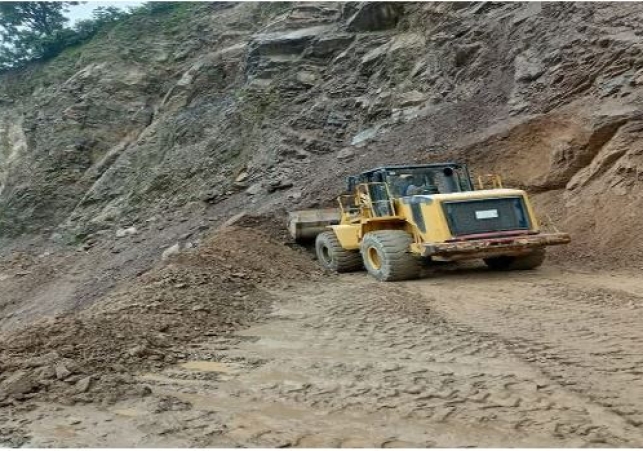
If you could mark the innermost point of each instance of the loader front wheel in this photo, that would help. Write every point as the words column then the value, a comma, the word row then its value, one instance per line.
column 333, row 256
column 387, row 256
column 525, row 262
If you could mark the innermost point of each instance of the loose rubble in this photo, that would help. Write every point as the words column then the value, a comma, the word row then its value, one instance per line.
column 87, row 356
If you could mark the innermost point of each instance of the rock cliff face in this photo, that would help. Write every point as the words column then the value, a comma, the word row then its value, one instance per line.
column 219, row 108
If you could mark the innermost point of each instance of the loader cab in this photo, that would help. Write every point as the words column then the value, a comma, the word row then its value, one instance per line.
column 403, row 181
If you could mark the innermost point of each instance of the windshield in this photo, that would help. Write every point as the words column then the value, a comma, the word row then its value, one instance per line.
column 425, row 181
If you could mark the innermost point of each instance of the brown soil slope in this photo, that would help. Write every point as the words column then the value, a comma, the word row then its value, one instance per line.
column 210, row 291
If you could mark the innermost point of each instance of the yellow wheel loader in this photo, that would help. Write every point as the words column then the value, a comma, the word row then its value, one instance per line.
column 394, row 217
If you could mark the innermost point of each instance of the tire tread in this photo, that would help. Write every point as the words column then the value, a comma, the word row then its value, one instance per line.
column 398, row 263
column 344, row 260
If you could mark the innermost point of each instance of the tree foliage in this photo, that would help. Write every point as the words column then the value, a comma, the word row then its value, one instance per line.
column 33, row 31
column 39, row 17
column 28, row 29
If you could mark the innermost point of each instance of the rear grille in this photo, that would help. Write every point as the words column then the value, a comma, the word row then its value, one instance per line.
column 486, row 215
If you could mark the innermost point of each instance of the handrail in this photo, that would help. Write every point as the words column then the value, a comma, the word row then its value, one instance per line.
column 365, row 198
column 495, row 179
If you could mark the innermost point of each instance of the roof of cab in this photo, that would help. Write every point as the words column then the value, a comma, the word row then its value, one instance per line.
column 414, row 166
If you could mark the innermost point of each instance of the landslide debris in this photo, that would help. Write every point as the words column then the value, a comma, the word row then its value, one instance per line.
column 272, row 105
column 219, row 109
column 90, row 356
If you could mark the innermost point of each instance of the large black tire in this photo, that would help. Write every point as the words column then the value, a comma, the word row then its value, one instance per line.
column 508, row 263
column 387, row 257
column 333, row 256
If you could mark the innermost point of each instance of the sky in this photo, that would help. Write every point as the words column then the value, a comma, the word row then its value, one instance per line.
column 84, row 11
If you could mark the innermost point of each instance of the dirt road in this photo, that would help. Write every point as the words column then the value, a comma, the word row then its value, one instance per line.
column 463, row 357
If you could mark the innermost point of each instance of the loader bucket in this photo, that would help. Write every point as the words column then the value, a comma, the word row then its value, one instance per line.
column 305, row 225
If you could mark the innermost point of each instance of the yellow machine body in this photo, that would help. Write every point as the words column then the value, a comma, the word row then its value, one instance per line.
column 354, row 224
column 444, row 218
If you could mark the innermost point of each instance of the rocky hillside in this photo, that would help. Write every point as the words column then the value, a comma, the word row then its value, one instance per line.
column 144, row 178
column 196, row 114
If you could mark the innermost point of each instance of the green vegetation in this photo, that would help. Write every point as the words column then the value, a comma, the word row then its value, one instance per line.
column 37, row 31
column 133, row 38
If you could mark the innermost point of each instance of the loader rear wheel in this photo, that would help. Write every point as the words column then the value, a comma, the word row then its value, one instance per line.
column 508, row 263
column 333, row 256
column 387, row 256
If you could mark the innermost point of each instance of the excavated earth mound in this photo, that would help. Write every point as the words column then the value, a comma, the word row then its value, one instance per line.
column 90, row 356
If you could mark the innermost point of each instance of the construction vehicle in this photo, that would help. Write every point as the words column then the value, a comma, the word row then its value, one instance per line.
column 394, row 219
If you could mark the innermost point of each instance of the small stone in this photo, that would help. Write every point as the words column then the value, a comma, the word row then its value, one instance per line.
column 279, row 185
column 62, row 372
column 137, row 351
column 120, row 233
column 388, row 367
column 345, row 154
column 413, row 390
column 241, row 177
column 504, row 402
column 306, row 78
column 362, row 137
column 172, row 250
column 83, row 385
column 254, row 189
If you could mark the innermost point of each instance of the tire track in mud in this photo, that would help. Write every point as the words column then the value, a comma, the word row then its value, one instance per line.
column 583, row 332
column 458, row 359
column 355, row 362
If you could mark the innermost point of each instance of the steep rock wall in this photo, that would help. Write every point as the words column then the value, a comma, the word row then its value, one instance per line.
column 230, row 107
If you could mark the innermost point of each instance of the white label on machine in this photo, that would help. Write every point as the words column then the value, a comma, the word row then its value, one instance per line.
column 486, row 214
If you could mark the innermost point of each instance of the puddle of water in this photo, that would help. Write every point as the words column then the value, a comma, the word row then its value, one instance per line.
column 204, row 365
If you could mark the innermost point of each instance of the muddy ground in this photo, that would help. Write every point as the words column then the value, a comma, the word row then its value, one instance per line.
column 463, row 357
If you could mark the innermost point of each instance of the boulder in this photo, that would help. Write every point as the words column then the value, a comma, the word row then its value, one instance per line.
column 527, row 68
column 375, row 55
column 375, row 16
column 411, row 98
column 270, row 53
column 19, row 383
column 329, row 45
column 289, row 42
